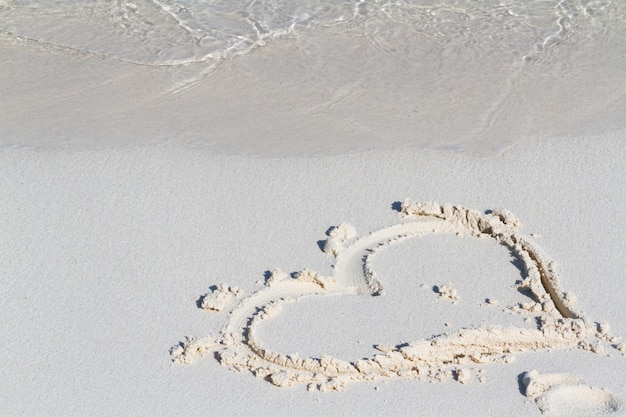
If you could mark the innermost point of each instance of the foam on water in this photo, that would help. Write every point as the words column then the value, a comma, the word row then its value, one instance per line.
column 165, row 32
column 484, row 62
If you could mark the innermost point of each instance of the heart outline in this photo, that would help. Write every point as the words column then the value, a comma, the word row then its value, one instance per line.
column 560, row 325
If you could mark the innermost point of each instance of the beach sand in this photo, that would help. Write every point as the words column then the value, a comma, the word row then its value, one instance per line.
column 107, row 252
column 256, row 234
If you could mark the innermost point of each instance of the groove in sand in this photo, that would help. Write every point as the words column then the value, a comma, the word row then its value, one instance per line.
column 442, row 357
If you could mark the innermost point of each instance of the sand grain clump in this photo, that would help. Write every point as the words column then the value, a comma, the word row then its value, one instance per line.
column 339, row 238
column 446, row 292
column 219, row 298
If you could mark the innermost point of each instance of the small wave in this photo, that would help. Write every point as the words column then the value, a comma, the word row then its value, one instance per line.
column 166, row 32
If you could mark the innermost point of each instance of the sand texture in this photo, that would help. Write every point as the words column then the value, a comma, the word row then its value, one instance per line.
column 203, row 208
column 554, row 322
column 112, row 257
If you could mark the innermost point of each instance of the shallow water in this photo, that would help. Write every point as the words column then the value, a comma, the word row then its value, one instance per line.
column 283, row 77
column 181, row 32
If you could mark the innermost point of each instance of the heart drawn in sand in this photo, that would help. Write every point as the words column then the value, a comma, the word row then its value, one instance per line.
column 558, row 324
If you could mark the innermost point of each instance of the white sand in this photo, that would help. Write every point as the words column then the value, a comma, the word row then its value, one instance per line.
column 106, row 253
column 158, row 192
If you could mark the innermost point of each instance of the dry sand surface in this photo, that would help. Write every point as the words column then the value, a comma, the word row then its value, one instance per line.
column 159, row 280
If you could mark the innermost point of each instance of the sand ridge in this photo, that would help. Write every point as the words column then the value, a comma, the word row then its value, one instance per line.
column 559, row 325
